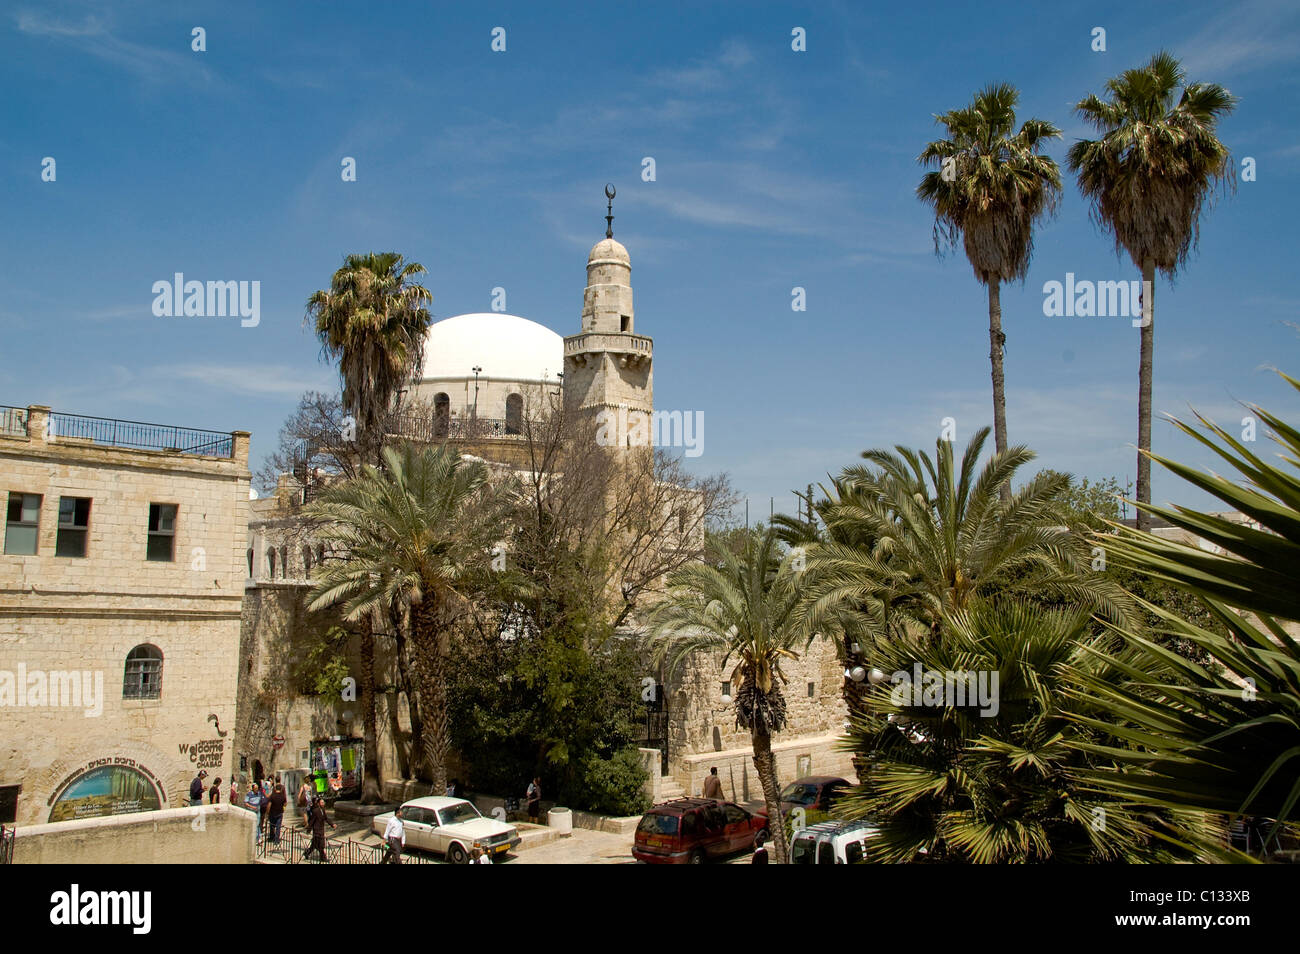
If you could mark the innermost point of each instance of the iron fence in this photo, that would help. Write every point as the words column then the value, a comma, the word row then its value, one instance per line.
column 428, row 428
column 137, row 435
column 13, row 421
column 294, row 843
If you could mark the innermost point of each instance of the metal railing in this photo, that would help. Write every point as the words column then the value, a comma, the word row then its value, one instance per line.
column 6, row 845
column 431, row 427
column 136, row 435
column 13, row 421
column 294, row 843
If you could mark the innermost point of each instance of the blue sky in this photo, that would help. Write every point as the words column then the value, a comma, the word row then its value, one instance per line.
column 775, row 169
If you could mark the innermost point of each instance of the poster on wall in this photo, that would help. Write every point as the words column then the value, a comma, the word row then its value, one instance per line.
column 116, row 786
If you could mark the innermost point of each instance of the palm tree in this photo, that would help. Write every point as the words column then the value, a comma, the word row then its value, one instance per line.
column 1147, row 179
column 915, row 538
column 1223, row 737
column 372, row 320
column 739, row 604
column 991, row 187
column 418, row 535
column 976, row 761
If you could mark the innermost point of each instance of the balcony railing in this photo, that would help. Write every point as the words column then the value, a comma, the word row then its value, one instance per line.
column 136, row 435
column 432, row 427
column 13, row 421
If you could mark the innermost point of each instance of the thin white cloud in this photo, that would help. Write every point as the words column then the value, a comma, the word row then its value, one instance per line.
column 93, row 37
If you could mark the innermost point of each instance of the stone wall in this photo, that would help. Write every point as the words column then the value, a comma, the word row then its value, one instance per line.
column 209, row 835
column 81, row 616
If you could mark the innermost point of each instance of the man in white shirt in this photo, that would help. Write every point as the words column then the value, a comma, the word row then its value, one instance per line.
column 395, row 836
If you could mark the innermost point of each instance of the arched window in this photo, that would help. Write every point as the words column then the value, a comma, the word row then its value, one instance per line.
column 284, row 561
column 143, row 675
column 250, row 561
column 514, row 414
column 306, row 561
column 270, row 561
column 320, row 553
column 441, row 414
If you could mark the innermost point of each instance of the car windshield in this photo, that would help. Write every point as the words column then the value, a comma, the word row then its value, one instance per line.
column 800, row 794
column 658, row 824
column 460, row 812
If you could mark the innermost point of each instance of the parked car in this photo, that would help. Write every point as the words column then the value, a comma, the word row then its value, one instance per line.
column 832, row 843
column 691, row 830
column 450, row 826
column 812, row 793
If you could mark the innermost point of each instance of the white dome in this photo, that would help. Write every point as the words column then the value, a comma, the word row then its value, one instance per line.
column 506, row 347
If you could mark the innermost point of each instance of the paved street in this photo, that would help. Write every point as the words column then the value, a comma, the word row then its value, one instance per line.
column 583, row 847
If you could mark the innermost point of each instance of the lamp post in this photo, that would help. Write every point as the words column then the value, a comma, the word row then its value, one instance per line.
column 477, row 370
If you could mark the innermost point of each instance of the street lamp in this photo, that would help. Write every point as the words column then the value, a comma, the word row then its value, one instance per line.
column 477, row 370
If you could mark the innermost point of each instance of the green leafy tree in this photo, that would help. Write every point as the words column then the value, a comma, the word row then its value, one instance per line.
column 992, row 187
column 1147, row 179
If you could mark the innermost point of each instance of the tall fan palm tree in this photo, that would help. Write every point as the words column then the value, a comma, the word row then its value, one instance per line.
column 1147, row 179
column 372, row 321
column 739, row 604
column 992, row 186
column 417, row 536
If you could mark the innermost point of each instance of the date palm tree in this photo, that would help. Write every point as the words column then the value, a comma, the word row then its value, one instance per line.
column 738, row 603
column 915, row 537
column 417, row 535
column 1147, row 179
column 991, row 188
column 372, row 320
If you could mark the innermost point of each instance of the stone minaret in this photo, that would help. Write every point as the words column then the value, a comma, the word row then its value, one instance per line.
column 607, row 367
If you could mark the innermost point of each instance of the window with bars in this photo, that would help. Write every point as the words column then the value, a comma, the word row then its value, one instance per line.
column 74, row 526
column 22, row 523
column 143, row 676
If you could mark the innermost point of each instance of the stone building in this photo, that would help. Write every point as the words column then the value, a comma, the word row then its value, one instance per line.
column 120, row 592
column 480, row 372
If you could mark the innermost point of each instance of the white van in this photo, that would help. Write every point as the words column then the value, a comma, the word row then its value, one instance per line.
column 832, row 843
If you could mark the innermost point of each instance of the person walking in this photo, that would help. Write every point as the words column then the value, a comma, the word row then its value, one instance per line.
column 214, row 793
column 233, row 797
column 394, row 838
column 263, row 806
column 275, row 812
column 713, row 784
column 196, row 788
column 318, row 822
column 534, row 797
column 305, row 793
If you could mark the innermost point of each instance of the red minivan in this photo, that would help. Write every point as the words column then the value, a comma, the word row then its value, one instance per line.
column 691, row 830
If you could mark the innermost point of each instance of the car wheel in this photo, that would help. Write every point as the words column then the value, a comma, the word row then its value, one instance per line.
column 697, row 857
column 456, row 855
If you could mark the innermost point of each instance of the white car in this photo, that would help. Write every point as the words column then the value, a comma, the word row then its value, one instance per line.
column 831, row 843
column 450, row 826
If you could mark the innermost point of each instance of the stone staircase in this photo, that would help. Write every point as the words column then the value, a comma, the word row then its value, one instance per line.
column 669, row 789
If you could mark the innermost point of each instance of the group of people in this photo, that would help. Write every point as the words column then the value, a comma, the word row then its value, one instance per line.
column 269, row 799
